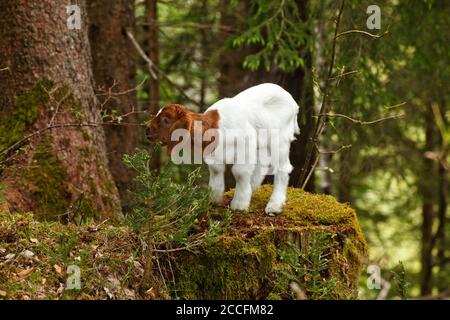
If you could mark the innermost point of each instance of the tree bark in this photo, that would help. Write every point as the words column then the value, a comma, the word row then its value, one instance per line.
column 427, row 192
column 440, row 239
column 113, row 58
column 153, row 54
column 64, row 171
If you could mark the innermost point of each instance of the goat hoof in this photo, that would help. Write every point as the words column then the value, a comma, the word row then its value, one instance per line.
column 217, row 201
column 273, row 208
column 238, row 205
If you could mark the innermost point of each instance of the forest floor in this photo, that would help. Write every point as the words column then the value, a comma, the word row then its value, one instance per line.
column 38, row 258
column 45, row 259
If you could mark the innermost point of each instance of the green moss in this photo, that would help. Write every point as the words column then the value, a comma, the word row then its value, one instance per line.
column 230, row 268
column 26, row 110
column 315, row 242
column 86, row 211
column 47, row 176
column 305, row 208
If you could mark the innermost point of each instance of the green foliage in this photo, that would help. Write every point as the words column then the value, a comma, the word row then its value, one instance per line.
column 280, row 33
column 258, row 258
column 400, row 280
column 188, row 50
column 170, row 209
column 105, row 254
column 66, row 243
column 48, row 177
column 25, row 112
column 310, row 267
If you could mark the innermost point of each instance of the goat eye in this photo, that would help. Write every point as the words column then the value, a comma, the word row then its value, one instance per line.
column 165, row 121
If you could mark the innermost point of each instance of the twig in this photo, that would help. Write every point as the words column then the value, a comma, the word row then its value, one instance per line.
column 58, row 105
column 19, row 143
column 4, row 69
column 311, row 171
column 152, row 68
column 333, row 151
column 344, row 74
column 141, row 52
column 122, row 93
column 183, row 24
column 159, row 268
column 319, row 123
column 375, row 36
column 398, row 105
column 360, row 122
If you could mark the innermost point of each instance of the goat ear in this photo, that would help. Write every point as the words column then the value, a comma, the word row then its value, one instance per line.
column 166, row 121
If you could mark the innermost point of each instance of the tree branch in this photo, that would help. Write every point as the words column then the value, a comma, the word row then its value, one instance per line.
column 319, row 123
column 333, row 151
column 19, row 143
column 360, row 122
column 374, row 36
column 152, row 68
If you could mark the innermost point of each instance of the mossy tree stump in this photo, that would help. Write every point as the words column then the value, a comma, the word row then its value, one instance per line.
column 315, row 245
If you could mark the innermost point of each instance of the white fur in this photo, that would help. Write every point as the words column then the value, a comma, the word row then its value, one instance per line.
column 266, row 106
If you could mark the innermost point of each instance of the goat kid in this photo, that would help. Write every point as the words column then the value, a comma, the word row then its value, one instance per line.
column 257, row 125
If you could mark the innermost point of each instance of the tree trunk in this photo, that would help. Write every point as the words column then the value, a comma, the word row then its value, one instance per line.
column 427, row 192
column 440, row 239
column 153, row 54
column 114, row 64
column 344, row 177
column 62, row 172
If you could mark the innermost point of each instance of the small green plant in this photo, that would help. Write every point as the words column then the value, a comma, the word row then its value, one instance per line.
column 402, row 285
column 169, row 209
column 309, row 267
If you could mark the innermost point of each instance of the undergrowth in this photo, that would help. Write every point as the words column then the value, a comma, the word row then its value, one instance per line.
column 309, row 267
column 171, row 211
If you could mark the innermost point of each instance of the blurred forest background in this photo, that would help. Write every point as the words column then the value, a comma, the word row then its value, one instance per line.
column 384, row 143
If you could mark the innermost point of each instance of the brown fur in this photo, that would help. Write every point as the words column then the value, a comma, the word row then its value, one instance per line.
column 176, row 116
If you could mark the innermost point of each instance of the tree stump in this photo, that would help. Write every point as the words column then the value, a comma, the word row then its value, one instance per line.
column 314, row 249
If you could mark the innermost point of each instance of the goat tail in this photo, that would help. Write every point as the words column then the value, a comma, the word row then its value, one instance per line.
column 296, row 127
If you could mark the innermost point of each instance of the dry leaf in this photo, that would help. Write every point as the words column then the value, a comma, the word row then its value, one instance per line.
column 25, row 272
column 10, row 256
column 151, row 293
column 60, row 289
column 27, row 253
column 34, row 240
column 108, row 292
column 57, row 268
column 2, row 293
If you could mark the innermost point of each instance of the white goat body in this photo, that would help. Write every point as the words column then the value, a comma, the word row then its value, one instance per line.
column 257, row 124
